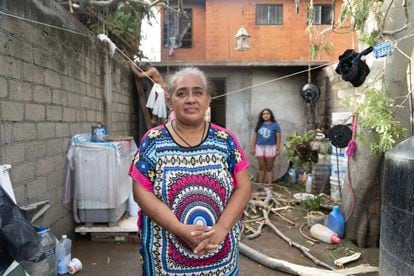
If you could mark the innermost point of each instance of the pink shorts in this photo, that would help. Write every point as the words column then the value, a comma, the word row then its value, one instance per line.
column 265, row 151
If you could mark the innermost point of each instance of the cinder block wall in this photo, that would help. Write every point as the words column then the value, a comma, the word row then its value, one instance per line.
column 336, row 95
column 52, row 87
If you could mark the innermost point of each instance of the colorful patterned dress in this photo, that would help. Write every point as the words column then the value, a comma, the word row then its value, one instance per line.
column 195, row 183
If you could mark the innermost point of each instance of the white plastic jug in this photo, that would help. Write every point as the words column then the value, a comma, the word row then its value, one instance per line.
column 323, row 233
column 63, row 254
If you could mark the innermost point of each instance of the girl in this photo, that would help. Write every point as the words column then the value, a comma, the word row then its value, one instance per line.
column 266, row 144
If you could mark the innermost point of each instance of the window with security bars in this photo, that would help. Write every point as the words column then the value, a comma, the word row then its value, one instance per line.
column 267, row 14
column 322, row 14
column 177, row 29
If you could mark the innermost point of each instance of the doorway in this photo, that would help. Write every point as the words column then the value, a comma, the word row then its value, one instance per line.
column 218, row 106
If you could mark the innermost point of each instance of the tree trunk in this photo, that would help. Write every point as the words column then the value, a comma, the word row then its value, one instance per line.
column 362, row 205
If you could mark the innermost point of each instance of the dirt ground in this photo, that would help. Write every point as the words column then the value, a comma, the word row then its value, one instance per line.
column 111, row 258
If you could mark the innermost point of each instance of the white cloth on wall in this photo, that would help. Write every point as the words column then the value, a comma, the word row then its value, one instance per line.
column 156, row 101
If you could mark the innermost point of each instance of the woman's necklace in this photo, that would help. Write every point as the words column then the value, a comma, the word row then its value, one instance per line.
column 182, row 139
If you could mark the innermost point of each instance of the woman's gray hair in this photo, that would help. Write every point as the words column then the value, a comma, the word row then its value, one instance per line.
column 183, row 72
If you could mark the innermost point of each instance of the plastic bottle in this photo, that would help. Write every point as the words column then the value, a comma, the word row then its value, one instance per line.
column 48, row 242
column 63, row 254
column 336, row 221
column 292, row 175
column 308, row 187
column 323, row 233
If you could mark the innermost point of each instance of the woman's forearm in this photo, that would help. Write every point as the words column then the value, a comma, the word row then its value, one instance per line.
column 155, row 209
column 237, row 202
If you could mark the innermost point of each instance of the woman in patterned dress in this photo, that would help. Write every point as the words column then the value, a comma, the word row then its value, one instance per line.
column 192, row 184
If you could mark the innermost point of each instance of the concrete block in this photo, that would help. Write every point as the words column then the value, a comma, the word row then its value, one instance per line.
column 52, row 79
column 59, row 97
column 14, row 153
column 3, row 88
column 33, row 73
column 37, row 190
column 65, row 144
column 56, row 182
column 84, row 102
column 54, row 147
column 90, row 91
column 68, row 84
column 69, row 114
column 80, row 87
column 23, row 173
column 47, row 60
column 44, row 167
column 91, row 116
column 11, row 111
column 20, row 191
column 35, row 112
column 24, row 132
column 62, row 130
column 46, row 130
column 20, row 91
column 10, row 67
column 74, row 100
column 99, row 116
column 6, row 133
column 59, row 163
column 54, row 113
column 42, row 94
column 18, row 49
column 80, row 115
column 35, row 150
column 75, row 128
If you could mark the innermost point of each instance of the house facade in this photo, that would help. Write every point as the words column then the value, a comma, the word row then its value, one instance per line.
column 270, row 72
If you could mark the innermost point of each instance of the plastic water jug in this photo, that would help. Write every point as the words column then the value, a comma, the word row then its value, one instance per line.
column 48, row 242
column 323, row 233
column 308, row 187
column 63, row 254
column 336, row 221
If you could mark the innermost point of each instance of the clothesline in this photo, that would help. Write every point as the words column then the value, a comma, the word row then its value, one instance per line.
column 272, row 80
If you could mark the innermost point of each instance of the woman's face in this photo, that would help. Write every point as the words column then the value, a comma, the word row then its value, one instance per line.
column 266, row 115
column 189, row 99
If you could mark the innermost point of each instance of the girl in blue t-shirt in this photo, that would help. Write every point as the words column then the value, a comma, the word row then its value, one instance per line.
column 266, row 144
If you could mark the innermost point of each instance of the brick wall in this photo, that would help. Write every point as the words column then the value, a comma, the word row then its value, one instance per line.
column 285, row 42
column 51, row 87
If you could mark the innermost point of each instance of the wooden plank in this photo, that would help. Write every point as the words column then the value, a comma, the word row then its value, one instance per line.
column 125, row 224
column 143, row 102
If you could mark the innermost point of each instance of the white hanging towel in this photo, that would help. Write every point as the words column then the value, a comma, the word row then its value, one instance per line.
column 156, row 101
column 152, row 96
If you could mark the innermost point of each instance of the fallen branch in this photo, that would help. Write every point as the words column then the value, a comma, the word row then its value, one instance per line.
column 306, row 236
column 295, row 269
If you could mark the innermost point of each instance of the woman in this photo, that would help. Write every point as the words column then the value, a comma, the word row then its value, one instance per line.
column 191, row 181
column 266, row 144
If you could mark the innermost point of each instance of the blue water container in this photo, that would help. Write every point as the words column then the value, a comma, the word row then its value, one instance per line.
column 336, row 221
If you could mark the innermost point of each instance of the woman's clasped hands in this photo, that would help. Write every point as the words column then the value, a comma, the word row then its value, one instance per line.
column 203, row 240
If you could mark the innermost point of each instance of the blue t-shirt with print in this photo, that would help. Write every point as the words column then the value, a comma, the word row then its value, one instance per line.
column 266, row 134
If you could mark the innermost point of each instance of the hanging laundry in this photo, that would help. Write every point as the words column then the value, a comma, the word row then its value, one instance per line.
column 156, row 101
column 352, row 68
column 111, row 46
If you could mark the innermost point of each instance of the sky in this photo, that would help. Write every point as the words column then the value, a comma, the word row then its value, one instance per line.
column 150, row 36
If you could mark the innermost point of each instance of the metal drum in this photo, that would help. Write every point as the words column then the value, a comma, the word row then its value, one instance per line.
column 397, row 213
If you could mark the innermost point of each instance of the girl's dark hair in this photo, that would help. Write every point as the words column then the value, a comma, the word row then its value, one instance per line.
column 260, row 120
